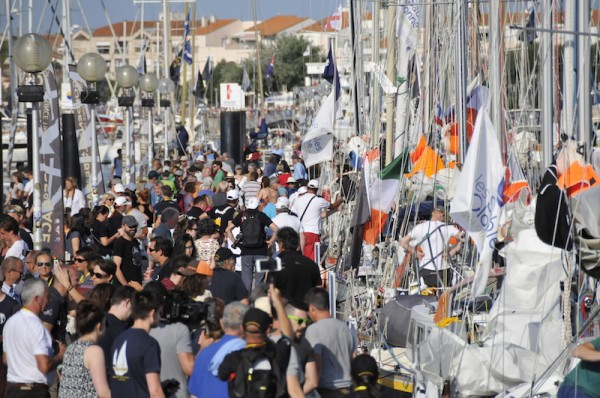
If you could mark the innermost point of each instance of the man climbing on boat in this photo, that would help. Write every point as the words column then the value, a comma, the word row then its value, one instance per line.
column 432, row 248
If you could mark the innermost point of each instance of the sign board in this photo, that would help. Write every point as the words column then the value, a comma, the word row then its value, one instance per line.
column 232, row 96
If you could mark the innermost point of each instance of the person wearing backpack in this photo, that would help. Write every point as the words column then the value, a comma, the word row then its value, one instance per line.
column 260, row 369
column 253, row 240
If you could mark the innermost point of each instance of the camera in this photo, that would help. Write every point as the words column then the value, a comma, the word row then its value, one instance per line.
column 268, row 265
column 179, row 307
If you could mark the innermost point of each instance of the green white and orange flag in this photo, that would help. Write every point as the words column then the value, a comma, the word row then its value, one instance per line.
column 381, row 193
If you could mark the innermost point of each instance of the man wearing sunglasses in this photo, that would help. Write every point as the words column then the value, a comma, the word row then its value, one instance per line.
column 306, row 356
column 127, row 254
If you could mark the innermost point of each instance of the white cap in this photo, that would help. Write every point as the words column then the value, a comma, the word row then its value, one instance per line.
column 282, row 202
column 131, row 186
column 313, row 184
column 252, row 203
column 290, row 180
column 119, row 188
column 302, row 190
column 121, row 201
column 233, row 194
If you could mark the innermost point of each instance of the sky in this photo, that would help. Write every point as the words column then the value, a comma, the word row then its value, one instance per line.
column 119, row 10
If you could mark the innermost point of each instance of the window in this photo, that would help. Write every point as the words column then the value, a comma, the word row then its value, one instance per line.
column 103, row 49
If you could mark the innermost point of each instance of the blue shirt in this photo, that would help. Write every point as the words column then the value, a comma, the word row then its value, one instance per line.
column 299, row 172
column 203, row 383
column 270, row 210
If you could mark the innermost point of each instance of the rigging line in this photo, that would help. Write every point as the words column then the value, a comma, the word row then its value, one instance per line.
column 42, row 17
column 112, row 30
column 61, row 31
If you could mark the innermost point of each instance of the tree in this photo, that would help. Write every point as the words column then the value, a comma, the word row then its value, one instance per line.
column 224, row 72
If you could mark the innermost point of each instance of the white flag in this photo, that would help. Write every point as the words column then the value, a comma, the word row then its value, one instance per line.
column 408, row 22
column 477, row 205
column 317, row 145
column 335, row 21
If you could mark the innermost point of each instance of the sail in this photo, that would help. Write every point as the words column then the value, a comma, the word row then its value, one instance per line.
column 120, row 365
column 476, row 206
column 317, row 145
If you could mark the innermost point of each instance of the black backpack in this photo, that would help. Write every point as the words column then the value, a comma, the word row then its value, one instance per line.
column 253, row 233
column 258, row 383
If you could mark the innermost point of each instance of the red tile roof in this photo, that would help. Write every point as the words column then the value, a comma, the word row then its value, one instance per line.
column 204, row 30
column 279, row 23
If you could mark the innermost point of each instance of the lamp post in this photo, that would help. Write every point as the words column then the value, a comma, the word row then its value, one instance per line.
column 33, row 54
column 128, row 77
column 148, row 84
column 166, row 87
column 92, row 68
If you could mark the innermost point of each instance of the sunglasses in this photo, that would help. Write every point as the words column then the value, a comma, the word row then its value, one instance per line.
column 109, row 199
column 44, row 264
column 99, row 275
column 79, row 260
column 151, row 250
column 300, row 321
column 189, row 247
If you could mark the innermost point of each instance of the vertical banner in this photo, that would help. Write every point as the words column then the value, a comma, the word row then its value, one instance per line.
column 84, row 126
column 143, row 137
column 131, row 170
column 53, row 233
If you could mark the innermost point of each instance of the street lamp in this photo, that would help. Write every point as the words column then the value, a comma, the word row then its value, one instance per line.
column 33, row 54
column 148, row 84
column 128, row 77
column 166, row 87
column 92, row 67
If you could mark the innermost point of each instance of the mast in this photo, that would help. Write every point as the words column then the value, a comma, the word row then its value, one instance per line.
column 375, row 114
column 184, row 73
column 193, row 97
column 390, row 71
column 261, row 100
column 583, row 67
column 569, row 73
column 167, row 50
column 355, row 74
column 496, row 51
column 461, row 75
column 547, row 86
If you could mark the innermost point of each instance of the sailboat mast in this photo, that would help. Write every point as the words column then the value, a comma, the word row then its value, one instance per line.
column 496, row 52
column 390, row 97
column 184, row 72
column 461, row 74
column 355, row 74
column 569, row 73
column 583, row 67
column 167, row 49
column 261, row 99
column 547, row 86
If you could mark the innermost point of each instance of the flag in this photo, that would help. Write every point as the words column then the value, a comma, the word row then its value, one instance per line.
column 334, row 22
column 317, row 145
column 199, row 88
column 141, row 66
column 381, row 193
column 271, row 67
column 245, row 80
column 407, row 24
column 175, row 68
column 187, row 44
column 476, row 206
column 330, row 73
column 263, row 132
column 208, row 70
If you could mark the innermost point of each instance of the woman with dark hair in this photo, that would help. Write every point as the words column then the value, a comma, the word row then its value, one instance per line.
column 100, row 231
column 103, row 271
column 186, row 226
column 364, row 374
column 84, row 370
column 207, row 243
column 184, row 246
column 144, row 205
column 76, row 235
column 101, row 295
column 175, row 271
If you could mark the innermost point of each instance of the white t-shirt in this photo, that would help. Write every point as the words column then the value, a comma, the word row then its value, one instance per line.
column 311, row 221
column 287, row 220
column 438, row 234
column 28, row 187
column 25, row 337
column 18, row 250
column 76, row 201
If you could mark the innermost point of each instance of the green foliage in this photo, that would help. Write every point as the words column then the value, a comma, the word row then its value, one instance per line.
column 224, row 72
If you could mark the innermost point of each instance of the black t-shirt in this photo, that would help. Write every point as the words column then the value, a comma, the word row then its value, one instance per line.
column 8, row 306
column 129, row 251
column 26, row 237
column 227, row 285
column 100, row 230
column 133, row 355
column 114, row 327
column 222, row 215
column 114, row 223
column 195, row 212
column 265, row 221
column 165, row 204
column 299, row 273
column 55, row 314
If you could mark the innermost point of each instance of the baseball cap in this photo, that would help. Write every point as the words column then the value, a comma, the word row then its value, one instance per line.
column 187, row 271
column 179, row 172
column 282, row 202
column 119, row 188
column 131, row 186
column 223, row 254
column 130, row 221
column 364, row 365
column 252, row 203
column 238, row 166
column 204, row 268
column 183, row 157
column 314, row 184
column 233, row 195
column 256, row 321
column 290, row 180
column 153, row 174
column 121, row 201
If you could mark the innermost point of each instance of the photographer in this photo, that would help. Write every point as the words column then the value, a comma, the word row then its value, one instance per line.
column 177, row 360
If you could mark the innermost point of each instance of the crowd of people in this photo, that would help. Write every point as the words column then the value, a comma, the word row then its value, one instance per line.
column 159, row 293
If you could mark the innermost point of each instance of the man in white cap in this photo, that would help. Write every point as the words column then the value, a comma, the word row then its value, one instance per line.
column 309, row 208
column 287, row 218
column 115, row 221
column 223, row 214
column 253, row 241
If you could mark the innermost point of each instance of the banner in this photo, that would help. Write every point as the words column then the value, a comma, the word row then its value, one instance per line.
column 83, row 128
column 317, row 145
column 53, row 233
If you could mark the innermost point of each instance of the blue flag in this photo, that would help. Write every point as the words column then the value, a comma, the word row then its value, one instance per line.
column 330, row 73
column 187, row 44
